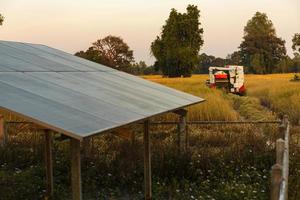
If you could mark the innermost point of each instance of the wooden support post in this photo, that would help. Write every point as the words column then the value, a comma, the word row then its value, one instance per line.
column 279, row 151
column 76, row 170
column 49, row 164
column 147, row 162
column 276, row 178
column 182, row 137
column 2, row 131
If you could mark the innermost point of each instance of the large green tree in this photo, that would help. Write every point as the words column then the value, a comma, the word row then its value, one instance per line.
column 111, row 51
column 296, row 43
column 176, row 49
column 1, row 19
column 261, row 50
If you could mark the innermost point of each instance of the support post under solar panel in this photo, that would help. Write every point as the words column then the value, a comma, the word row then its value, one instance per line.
column 49, row 163
column 2, row 131
column 182, row 137
column 147, row 162
column 76, row 169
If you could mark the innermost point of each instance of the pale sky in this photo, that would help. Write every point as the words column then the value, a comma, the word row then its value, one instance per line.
column 72, row 25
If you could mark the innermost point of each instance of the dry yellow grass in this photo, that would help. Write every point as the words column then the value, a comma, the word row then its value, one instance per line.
column 277, row 92
column 218, row 106
column 273, row 91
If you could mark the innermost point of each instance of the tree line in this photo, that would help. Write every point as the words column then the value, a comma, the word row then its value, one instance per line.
column 261, row 50
column 177, row 49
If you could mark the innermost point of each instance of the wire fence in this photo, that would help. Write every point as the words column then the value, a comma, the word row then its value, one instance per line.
column 279, row 171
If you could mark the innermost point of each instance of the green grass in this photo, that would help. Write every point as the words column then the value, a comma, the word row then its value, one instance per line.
column 113, row 168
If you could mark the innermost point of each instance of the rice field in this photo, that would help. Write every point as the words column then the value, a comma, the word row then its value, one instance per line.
column 274, row 92
column 278, row 93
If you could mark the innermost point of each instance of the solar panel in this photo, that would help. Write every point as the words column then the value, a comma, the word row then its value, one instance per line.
column 75, row 96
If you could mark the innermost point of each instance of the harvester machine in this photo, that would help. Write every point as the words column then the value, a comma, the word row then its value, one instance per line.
column 230, row 78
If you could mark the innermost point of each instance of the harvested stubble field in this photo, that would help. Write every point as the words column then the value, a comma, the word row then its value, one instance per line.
column 224, row 162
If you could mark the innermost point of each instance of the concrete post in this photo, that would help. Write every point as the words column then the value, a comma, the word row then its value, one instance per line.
column 276, row 178
column 279, row 151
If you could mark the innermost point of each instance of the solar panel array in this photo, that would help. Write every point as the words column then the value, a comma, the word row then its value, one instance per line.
column 75, row 96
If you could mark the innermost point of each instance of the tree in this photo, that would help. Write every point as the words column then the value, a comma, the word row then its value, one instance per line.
column 296, row 43
column 176, row 49
column 285, row 65
column 295, row 62
column 261, row 50
column 234, row 58
column 257, row 64
column 137, row 68
column 141, row 68
column 206, row 61
column 1, row 19
column 111, row 51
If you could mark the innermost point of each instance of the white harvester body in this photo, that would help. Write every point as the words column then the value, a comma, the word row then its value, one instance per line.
column 230, row 77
